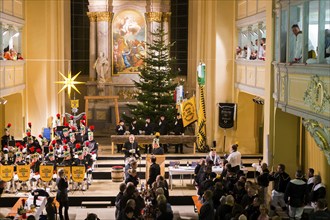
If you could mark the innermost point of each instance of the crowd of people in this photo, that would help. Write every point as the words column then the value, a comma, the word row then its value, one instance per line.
column 150, row 128
column 231, row 196
column 254, row 51
column 10, row 54
column 70, row 145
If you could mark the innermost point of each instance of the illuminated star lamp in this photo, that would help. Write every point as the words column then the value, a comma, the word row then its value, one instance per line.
column 69, row 82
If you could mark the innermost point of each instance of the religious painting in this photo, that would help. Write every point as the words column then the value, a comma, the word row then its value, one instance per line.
column 129, row 46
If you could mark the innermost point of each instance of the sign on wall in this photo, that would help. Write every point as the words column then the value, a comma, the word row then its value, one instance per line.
column 227, row 115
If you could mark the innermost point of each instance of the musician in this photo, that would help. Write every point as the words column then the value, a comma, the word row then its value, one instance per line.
column 89, row 164
column 20, row 161
column 44, row 144
column 133, row 129
column 65, row 135
column 35, row 168
column 93, row 145
column 80, row 161
column 157, row 149
column 131, row 148
column 120, row 130
column 51, row 160
column 7, row 137
column 6, row 160
column 32, row 145
column 67, row 161
column 72, row 143
column 82, row 136
column 28, row 134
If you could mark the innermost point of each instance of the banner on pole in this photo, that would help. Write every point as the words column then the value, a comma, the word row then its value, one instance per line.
column 46, row 172
column 78, row 173
column 23, row 172
column 7, row 172
column 227, row 115
column 188, row 111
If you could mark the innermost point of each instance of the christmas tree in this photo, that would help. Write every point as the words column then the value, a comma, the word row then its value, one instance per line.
column 156, row 84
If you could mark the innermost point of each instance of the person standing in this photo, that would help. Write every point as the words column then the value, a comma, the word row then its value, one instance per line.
column 295, row 194
column 163, row 130
column 281, row 180
column 133, row 128
column 263, row 183
column 178, row 130
column 7, row 137
column 120, row 129
column 234, row 158
column 154, row 171
column 62, row 194
column 148, row 130
column 207, row 210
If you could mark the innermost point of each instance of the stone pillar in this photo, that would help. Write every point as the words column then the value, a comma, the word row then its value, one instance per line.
column 92, row 45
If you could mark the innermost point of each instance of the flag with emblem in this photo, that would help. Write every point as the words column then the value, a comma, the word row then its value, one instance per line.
column 201, row 122
column 188, row 111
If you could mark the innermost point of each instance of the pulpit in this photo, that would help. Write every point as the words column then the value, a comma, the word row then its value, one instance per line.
column 160, row 159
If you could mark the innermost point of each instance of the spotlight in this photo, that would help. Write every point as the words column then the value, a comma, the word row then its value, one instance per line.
column 3, row 101
column 258, row 100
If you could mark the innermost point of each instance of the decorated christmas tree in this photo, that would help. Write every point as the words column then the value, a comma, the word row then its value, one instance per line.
column 156, row 85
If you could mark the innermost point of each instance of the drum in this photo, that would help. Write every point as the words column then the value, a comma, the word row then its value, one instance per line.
column 117, row 174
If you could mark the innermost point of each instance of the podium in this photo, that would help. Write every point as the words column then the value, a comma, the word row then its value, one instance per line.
column 160, row 159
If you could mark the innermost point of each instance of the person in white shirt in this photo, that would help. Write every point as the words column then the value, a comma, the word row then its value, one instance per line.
column 234, row 158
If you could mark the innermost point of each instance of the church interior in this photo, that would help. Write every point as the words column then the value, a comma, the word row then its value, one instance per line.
column 243, row 77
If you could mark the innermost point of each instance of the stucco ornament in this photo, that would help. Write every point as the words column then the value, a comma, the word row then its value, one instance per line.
column 316, row 95
column 321, row 135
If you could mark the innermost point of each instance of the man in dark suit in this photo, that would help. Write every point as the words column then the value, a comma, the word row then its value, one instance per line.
column 178, row 130
column 131, row 148
column 154, row 171
column 163, row 130
column 207, row 210
column 7, row 137
column 148, row 130
column 120, row 130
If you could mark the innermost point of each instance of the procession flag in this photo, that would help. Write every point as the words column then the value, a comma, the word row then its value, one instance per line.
column 188, row 111
column 7, row 172
column 46, row 172
column 201, row 123
column 78, row 173
column 23, row 172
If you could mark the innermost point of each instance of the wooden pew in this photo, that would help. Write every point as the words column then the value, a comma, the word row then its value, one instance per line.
column 147, row 139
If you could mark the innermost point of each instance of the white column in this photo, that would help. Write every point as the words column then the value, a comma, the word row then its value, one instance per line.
column 92, row 45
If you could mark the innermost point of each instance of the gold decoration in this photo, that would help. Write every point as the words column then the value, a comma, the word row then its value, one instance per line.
column 74, row 103
column 104, row 16
column 155, row 16
column 69, row 82
column 317, row 96
column 91, row 16
column 166, row 16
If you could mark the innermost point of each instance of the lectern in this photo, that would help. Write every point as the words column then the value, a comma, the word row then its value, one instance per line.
column 160, row 159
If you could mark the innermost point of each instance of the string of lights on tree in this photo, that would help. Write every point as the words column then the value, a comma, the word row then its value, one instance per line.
column 156, row 85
